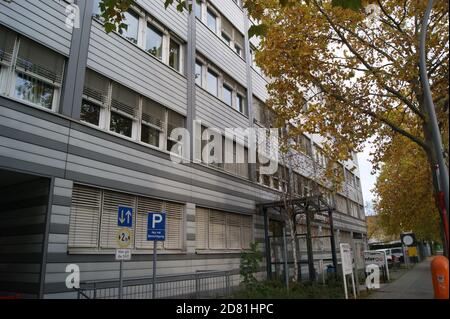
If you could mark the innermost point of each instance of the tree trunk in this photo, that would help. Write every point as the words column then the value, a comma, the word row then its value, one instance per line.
column 294, row 247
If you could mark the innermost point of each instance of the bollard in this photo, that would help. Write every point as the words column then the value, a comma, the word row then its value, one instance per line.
column 439, row 272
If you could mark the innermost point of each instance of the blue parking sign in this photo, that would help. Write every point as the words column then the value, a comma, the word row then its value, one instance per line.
column 156, row 226
column 125, row 217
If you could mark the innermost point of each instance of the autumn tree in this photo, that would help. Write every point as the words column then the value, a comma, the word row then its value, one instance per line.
column 404, row 192
column 357, row 72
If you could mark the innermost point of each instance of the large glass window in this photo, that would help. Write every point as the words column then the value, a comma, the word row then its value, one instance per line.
column 211, row 20
column 228, row 95
column 39, row 74
column 33, row 90
column 132, row 21
column 174, row 55
column 212, row 82
column 154, row 44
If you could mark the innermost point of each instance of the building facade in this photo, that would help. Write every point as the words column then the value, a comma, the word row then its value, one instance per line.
column 85, row 126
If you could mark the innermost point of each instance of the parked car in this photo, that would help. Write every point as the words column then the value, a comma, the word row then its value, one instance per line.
column 397, row 254
column 388, row 253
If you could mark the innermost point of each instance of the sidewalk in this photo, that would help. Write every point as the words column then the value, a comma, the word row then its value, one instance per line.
column 414, row 284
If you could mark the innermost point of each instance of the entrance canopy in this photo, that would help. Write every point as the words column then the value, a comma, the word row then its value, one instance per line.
column 312, row 210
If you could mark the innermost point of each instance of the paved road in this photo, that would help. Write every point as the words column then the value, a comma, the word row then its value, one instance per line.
column 414, row 284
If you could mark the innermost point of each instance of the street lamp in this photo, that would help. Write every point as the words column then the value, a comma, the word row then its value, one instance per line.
column 434, row 127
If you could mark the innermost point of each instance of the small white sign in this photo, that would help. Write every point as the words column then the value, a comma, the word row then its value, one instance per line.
column 123, row 254
column 346, row 257
column 347, row 267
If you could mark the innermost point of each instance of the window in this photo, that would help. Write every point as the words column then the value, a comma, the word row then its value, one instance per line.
column 174, row 55
column 240, row 104
column 174, row 120
column 95, row 96
column 132, row 20
column 211, row 20
column 93, row 219
column 238, row 49
column 228, row 95
column 96, row 9
column 124, row 106
column 38, row 72
column 85, row 216
column 198, row 9
column 198, row 73
column 154, row 43
column 226, row 38
column 212, row 83
column 222, row 230
column 305, row 145
column 152, row 122
column 90, row 113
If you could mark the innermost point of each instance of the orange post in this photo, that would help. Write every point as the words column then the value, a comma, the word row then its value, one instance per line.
column 439, row 272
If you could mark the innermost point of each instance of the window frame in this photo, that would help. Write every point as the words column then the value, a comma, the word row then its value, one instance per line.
column 9, row 74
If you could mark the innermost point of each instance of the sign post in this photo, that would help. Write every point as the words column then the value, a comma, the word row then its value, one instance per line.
column 156, row 230
column 124, row 240
column 347, row 267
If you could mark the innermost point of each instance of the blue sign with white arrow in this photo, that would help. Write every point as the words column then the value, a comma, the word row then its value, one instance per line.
column 125, row 217
column 156, row 227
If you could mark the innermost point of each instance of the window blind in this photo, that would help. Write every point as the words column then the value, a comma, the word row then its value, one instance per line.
column 217, row 230
column 108, row 229
column 174, row 225
column 96, row 86
column 84, row 217
column 144, row 206
column 39, row 60
column 124, row 100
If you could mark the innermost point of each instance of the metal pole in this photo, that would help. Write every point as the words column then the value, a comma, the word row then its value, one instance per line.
column 154, row 270
column 438, row 148
column 121, row 280
column 267, row 238
column 333, row 242
column 312, row 275
column 286, row 267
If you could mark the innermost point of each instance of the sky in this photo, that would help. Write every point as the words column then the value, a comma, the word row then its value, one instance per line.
column 367, row 179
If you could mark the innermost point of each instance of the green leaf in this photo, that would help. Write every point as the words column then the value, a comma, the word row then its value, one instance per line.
column 257, row 30
column 347, row 4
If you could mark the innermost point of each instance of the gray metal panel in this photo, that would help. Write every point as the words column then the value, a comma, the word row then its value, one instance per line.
column 72, row 91
column 259, row 86
column 231, row 11
column 40, row 20
column 170, row 17
column 215, row 113
column 210, row 45
column 124, row 62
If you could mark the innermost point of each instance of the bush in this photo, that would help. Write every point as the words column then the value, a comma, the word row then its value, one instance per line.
column 250, row 261
column 274, row 289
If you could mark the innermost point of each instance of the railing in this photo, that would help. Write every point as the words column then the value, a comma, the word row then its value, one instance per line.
column 204, row 284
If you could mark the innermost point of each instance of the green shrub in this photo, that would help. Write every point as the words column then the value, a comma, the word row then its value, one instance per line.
column 249, row 266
